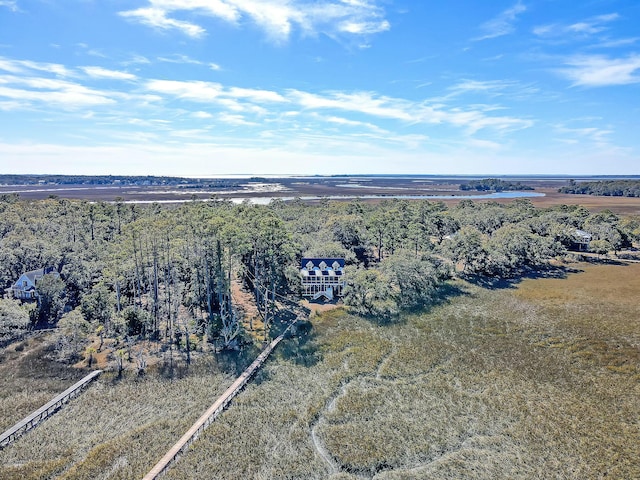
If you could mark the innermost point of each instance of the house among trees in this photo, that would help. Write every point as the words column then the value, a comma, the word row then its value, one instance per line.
column 322, row 277
column 581, row 240
column 25, row 288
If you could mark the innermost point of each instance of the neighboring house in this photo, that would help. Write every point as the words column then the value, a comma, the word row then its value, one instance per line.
column 581, row 240
column 322, row 277
column 25, row 287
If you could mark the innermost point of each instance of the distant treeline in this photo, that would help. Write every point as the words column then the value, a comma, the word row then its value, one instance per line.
column 117, row 180
column 608, row 188
column 493, row 184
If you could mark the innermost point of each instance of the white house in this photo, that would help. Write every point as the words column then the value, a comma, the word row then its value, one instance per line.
column 322, row 277
column 581, row 240
column 25, row 288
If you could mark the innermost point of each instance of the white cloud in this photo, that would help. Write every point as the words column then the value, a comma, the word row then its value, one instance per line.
column 360, row 28
column 601, row 71
column 363, row 102
column 10, row 4
column 235, row 120
column 358, row 113
column 64, row 95
column 355, row 124
column 493, row 88
column 136, row 60
column 10, row 105
column 190, row 90
column 255, row 95
column 22, row 66
column 206, row 92
column 276, row 17
column 99, row 72
column 157, row 18
column 194, row 133
column 615, row 43
column 503, row 23
column 595, row 135
column 410, row 112
column 178, row 58
column 584, row 28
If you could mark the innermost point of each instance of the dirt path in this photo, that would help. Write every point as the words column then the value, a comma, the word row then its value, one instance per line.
column 244, row 301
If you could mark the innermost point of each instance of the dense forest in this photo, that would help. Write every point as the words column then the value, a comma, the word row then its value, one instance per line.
column 166, row 272
column 494, row 185
column 608, row 188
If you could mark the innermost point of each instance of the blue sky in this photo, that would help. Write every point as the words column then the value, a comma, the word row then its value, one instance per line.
column 212, row 87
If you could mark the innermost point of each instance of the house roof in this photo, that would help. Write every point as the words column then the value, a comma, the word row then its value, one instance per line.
column 34, row 275
column 317, row 261
column 582, row 234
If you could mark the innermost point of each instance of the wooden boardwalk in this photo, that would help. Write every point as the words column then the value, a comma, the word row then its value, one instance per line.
column 46, row 410
column 212, row 413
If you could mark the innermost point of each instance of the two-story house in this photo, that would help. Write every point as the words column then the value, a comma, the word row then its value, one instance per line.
column 322, row 277
column 26, row 287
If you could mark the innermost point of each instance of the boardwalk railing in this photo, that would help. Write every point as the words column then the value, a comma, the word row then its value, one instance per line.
column 46, row 410
column 212, row 413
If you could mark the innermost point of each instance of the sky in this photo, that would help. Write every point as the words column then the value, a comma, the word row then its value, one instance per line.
column 308, row 87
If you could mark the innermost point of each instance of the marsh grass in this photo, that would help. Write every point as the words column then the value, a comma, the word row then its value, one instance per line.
column 30, row 378
column 118, row 428
column 536, row 380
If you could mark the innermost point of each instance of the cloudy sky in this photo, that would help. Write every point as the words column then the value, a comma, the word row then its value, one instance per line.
column 207, row 87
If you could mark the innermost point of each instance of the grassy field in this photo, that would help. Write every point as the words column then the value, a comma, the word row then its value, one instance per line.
column 118, row 428
column 536, row 379
column 29, row 379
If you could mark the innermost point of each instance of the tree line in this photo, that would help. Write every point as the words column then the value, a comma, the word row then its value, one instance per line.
column 607, row 188
column 167, row 272
column 494, row 185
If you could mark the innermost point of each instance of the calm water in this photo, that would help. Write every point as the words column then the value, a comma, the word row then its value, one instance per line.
column 486, row 196
column 267, row 200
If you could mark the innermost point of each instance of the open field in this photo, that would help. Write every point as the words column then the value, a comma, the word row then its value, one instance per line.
column 619, row 205
column 532, row 379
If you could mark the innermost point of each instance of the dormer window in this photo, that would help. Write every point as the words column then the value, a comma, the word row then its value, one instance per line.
column 322, row 277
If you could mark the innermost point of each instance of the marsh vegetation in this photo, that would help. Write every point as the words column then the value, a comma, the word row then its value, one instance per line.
column 535, row 380
column 469, row 345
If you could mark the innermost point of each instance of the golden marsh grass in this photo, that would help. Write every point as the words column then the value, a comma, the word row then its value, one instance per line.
column 539, row 379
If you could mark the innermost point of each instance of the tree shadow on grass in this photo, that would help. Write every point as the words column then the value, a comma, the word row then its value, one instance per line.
column 234, row 362
column 606, row 261
column 501, row 283
column 441, row 296
column 300, row 345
